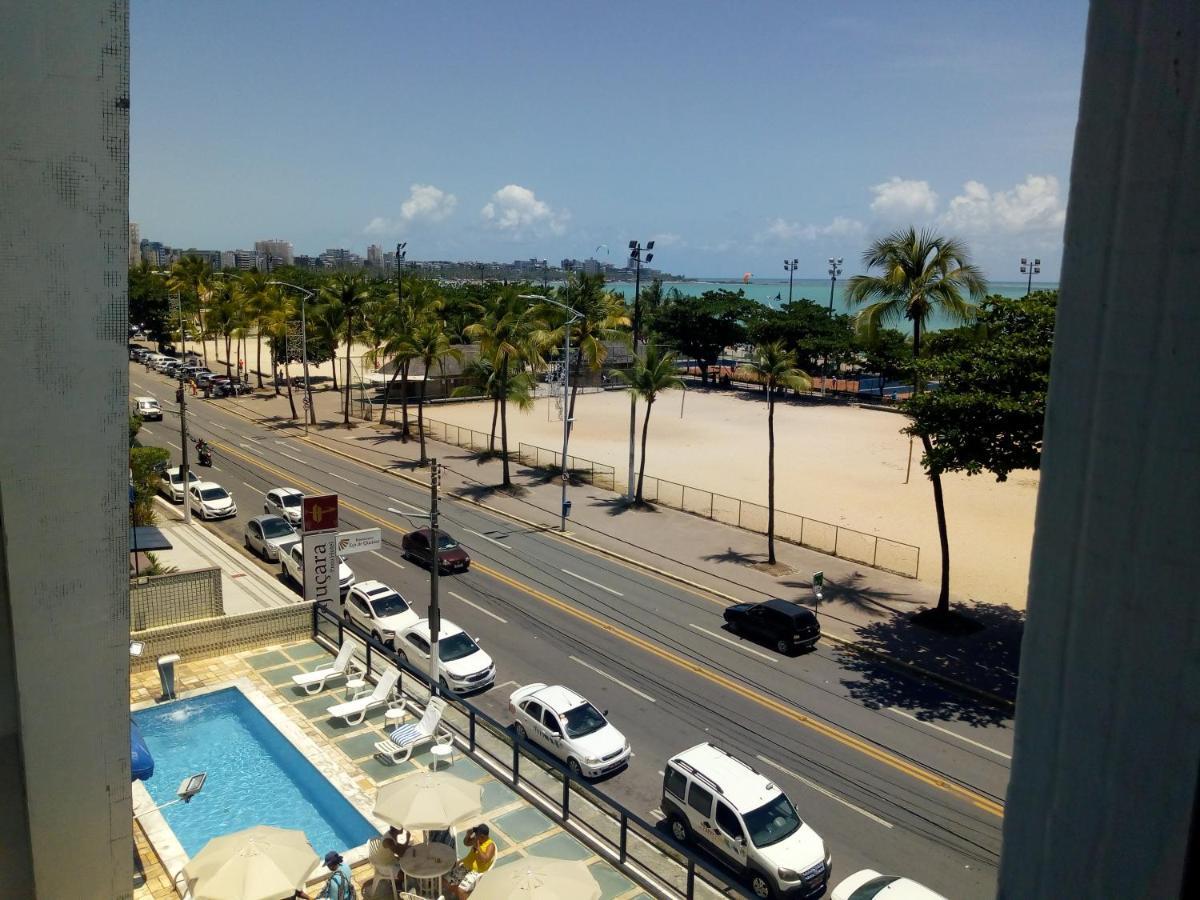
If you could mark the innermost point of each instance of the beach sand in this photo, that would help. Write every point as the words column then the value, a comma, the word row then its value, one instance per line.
column 838, row 464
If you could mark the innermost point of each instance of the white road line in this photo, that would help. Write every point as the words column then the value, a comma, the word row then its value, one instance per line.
column 386, row 560
column 506, row 684
column 592, row 583
column 286, row 444
column 219, row 425
column 965, row 740
column 486, row 612
column 612, row 678
column 656, row 813
column 253, row 488
column 176, row 446
column 409, row 505
column 138, row 386
column 289, row 456
column 486, row 538
column 828, row 793
column 214, row 468
column 737, row 644
column 345, row 479
column 252, row 440
column 252, row 449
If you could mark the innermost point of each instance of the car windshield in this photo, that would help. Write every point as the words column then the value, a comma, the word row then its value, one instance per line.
column 276, row 528
column 290, row 500
column 176, row 477
column 456, row 647
column 388, row 605
column 445, row 542
column 773, row 822
column 583, row 720
column 217, row 493
column 873, row 888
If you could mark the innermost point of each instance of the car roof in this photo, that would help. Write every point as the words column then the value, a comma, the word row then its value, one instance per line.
column 174, row 470
column 421, row 627
column 736, row 781
column 285, row 491
column 373, row 588
column 558, row 698
column 788, row 608
column 265, row 517
column 206, row 485
column 145, row 399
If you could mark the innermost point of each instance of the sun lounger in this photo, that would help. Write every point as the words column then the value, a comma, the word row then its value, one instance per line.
column 354, row 711
column 314, row 682
column 401, row 742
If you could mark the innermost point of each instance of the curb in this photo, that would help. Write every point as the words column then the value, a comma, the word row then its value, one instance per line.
column 844, row 643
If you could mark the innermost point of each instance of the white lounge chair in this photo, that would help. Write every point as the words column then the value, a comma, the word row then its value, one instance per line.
column 385, row 865
column 354, row 711
column 314, row 682
column 401, row 742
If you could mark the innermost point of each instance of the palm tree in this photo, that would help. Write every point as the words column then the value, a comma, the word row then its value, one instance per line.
column 275, row 325
column 193, row 276
column 921, row 273
column 430, row 345
column 258, row 295
column 776, row 368
column 652, row 373
column 225, row 317
column 348, row 292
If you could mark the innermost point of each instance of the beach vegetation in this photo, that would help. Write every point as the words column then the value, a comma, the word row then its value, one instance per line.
column 344, row 297
column 702, row 327
column 653, row 372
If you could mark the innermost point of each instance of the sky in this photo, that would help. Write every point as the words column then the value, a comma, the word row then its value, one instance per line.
column 735, row 135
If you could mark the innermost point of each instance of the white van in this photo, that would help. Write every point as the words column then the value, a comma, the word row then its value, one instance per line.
column 717, row 800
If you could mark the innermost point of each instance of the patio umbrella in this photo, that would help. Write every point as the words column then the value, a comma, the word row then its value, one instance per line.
column 429, row 801
column 538, row 878
column 259, row 863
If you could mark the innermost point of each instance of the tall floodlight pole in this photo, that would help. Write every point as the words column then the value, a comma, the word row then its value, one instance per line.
column 635, row 255
column 401, row 253
column 310, row 417
column 835, row 269
column 789, row 266
column 1032, row 267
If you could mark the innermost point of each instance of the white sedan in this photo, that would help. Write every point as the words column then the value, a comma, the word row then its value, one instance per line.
column 870, row 885
column 285, row 503
column 292, row 558
column 379, row 609
column 566, row 725
column 463, row 666
column 209, row 500
column 171, row 483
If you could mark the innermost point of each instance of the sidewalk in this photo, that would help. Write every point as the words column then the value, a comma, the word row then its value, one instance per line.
column 864, row 607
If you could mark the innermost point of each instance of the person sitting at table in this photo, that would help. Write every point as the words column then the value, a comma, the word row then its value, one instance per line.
column 464, row 876
column 397, row 841
column 339, row 886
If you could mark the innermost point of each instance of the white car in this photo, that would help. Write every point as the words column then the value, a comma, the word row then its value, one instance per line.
column 379, row 609
column 285, row 503
column 291, row 556
column 171, row 483
column 565, row 725
column 209, row 500
column 147, row 408
column 265, row 535
column 463, row 666
column 870, row 885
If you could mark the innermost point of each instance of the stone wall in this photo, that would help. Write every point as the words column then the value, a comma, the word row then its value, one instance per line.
column 224, row 634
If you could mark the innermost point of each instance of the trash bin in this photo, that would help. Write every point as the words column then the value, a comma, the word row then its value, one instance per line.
column 166, row 674
column 566, row 509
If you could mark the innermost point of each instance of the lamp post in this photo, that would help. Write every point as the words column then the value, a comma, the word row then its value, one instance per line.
column 789, row 266
column 1032, row 267
column 310, row 417
column 635, row 255
column 835, row 269
column 435, row 610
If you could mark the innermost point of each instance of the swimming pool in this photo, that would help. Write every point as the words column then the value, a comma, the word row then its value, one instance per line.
column 255, row 775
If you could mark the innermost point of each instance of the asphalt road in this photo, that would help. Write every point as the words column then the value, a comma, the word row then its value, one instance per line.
column 882, row 787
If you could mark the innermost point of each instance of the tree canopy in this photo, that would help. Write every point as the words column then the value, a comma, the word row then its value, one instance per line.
column 702, row 327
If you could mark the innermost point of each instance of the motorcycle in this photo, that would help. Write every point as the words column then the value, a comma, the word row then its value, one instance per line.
column 204, row 453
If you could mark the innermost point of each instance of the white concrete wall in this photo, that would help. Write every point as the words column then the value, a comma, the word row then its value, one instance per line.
column 1101, row 802
column 64, row 705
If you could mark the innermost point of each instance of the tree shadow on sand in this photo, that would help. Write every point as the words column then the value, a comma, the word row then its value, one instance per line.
column 851, row 593
column 619, row 505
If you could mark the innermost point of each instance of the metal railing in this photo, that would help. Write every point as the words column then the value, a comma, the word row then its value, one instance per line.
column 618, row 834
column 579, row 468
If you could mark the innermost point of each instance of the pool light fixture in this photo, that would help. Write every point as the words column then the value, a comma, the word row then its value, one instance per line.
column 188, row 788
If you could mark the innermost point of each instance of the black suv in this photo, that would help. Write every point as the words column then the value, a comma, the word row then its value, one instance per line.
column 781, row 624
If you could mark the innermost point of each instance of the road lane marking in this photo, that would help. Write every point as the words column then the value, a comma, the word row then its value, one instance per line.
column 656, row 813
column 253, row 488
column 176, row 446
column 289, row 456
column 214, row 468
column 343, row 477
column 251, row 449
column 744, row 691
column 286, row 444
column 613, row 679
column 409, row 505
column 386, row 560
column 821, row 790
column 592, row 583
column 486, row 612
column 486, row 538
column 738, row 644
column 252, row 440
column 952, row 734
column 219, row 425
column 139, row 386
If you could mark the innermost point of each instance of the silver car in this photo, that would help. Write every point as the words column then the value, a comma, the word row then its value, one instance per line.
column 265, row 535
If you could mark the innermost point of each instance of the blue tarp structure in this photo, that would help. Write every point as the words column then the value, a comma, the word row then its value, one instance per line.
column 141, row 763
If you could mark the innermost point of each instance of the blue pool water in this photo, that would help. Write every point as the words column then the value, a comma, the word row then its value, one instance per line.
column 255, row 775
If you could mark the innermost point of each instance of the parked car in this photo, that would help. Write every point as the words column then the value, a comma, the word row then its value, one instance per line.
column 266, row 534
column 781, row 624
column 164, row 364
column 285, row 503
column 870, row 885
column 451, row 555
column 713, row 798
column 463, row 666
column 171, row 483
column 379, row 609
column 291, row 557
column 567, row 726
column 209, row 500
column 147, row 408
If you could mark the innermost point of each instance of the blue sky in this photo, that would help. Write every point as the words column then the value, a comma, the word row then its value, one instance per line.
column 735, row 134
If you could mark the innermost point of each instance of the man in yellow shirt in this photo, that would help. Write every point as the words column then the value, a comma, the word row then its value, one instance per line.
column 462, row 880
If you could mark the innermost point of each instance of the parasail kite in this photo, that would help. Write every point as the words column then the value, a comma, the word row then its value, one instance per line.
column 746, row 278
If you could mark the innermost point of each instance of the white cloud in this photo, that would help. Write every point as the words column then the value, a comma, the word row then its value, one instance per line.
column 781, row 230
column 668, row 239
column 901, row 198
column 427, row 202
column 1033, row 205
column 517, row 209
column 382, row 227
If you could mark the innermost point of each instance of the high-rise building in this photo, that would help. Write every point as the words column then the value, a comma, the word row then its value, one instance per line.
column 228, row 259
column 246, row 260
column 155, row 252
column 135, row 245
column 338, row 258
column 375, row 256
column 279, row 252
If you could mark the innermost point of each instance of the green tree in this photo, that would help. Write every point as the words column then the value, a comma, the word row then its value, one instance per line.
column 775, row 368
column 885, row 352
column 652, row 373
column 225, row 317
column 259, row 297
column 601, row 319
column 702, row 327
column 807, row 329
column 148, row 304
column 192, row 279
column 989, row 407
column 135, row 425
column 347, row 293
column 432, row 347
column 145, row 463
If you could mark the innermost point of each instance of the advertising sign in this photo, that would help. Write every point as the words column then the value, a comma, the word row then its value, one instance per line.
column 359, row 541
column 321, row 566
column 320, row 512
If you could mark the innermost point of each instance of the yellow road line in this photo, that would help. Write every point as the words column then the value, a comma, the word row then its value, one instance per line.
column 836, row 734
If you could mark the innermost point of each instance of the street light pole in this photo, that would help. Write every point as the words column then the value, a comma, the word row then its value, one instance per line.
column 1032, row 267
column 181, row 394
column 435, row 611
column 789, row 266
column 635, row 254
column 835, row 269
column 310, row 417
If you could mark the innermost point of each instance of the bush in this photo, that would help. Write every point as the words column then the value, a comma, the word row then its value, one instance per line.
column 145, row 464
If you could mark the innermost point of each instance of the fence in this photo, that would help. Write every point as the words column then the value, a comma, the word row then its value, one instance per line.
column 639, row 848
column 223, row 635
column 158, row 600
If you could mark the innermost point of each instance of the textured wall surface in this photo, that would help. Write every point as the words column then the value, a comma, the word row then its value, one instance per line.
column 64, row 708
column 225, row 634
column 1102, row 796
column 178, row 597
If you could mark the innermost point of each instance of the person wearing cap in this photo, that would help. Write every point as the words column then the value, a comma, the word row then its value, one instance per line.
column 339, row 886
column 463, row 878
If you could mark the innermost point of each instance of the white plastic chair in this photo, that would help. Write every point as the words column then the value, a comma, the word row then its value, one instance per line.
column 354, row 711
column 400, row 744
column 385, row 865
column 314, row 682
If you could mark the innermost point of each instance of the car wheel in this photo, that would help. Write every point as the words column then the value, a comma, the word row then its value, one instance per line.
column 573, row 765
column 403, row 656
column 346, row 616
column 761, row 885
column 520, row 730
column 246, row 541
column 680, row 830
column 442, row 683
column 782, row 645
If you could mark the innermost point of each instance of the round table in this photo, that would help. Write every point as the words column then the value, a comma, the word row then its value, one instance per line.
column 354, row 686
column 394, row 718
column 442, row 752
column 427, row 862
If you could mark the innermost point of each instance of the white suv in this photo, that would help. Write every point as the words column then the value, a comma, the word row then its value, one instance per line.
column 285, row 503
column 374, row 606
column 462, row 665
column 171, row 483
column 291, row 560
column 715, row 798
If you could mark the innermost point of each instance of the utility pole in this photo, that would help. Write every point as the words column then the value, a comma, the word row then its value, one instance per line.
column 835, row 269
column 635, row 254
column 435, row 612
column 181, row 395
column 789, row 266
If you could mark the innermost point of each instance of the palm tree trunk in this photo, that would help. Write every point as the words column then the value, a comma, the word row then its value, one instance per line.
column 228, row 371
column 349, row 344
column 334, row 364
column 495, row 413
column 943, row 604
column 507, row 480
column 404, row 405
column 637, row 497
column 258, row 361
column 388, row 393
column 770, row 478
column 291, row 399
column 421, row 415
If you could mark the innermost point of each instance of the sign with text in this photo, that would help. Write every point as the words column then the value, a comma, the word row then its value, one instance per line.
column 359, row 541
column 320, row 512
column 321, row 566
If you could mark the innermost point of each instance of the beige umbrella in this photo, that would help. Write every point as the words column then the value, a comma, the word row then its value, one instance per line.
column 259, row 863
column 429, row 801
column 538, row 878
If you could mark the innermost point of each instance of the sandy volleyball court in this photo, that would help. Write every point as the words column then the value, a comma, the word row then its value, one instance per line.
column 839, row 464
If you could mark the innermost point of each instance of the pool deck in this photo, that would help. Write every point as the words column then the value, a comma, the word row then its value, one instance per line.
column 518, row 828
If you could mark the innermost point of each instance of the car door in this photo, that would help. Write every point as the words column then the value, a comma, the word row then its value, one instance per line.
column 256, row 537
column 756, row 624
column 418, row 645
column 420, row 547
column 552, row 733
column 730, row 834
column 531, row 721
column 360, row 611
column 700, row 806
column 272, row 502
